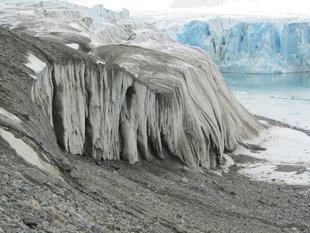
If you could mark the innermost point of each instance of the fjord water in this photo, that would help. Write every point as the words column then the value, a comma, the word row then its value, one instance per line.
column 283, row 97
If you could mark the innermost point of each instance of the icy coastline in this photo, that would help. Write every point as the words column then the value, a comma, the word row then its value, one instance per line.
column 263, row 47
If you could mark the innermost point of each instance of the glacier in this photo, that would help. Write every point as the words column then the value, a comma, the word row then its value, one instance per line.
column 126, row 91
column 85, row 94
column 252, row 47
column 242, row 44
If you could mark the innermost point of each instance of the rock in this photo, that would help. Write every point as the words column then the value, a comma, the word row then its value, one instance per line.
column 1, row 231
column 115, row 167
column 17, row 187
column 97, row 229
column 112, row 226
column 45, row 224
column 35, row 175
column 32, row 203
column 115, row 172
column 184, row 180
column 30, row 220
column 66, row 165
column 215, row 182
column 57, row 217
column 135, row 229
column 75, row 174
column 215, row 173
column 54, row 180
column 53, row 213
column 185, row 169
column 3, row 198
column 118, row 207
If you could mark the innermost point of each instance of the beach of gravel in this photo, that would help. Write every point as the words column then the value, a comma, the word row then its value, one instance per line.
column 145, row 197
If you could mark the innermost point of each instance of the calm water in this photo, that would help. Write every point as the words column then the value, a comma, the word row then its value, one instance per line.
column 284, row 97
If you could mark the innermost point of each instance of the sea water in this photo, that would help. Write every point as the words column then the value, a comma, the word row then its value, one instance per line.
column 283, row 97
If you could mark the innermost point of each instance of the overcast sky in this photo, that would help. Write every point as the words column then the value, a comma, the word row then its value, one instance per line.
column 286, row 6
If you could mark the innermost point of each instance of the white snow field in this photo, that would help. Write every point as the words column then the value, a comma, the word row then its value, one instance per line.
column 27, row 153
column 35, row 64
column 285, row 160
column 4, row 114
column 73, row 45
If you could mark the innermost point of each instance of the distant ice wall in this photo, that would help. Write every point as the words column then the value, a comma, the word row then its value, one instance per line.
column 98, row 11
column 252, row 47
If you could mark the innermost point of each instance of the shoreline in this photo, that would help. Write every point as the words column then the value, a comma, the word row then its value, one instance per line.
column 282, row 124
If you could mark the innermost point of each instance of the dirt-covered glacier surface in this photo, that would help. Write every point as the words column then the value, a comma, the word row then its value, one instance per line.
column 124, row 91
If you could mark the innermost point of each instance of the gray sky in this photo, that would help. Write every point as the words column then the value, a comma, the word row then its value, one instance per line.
column 196, row 3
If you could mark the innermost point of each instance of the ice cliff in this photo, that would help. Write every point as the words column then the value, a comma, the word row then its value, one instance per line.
column 256, row 46
column 125, row 91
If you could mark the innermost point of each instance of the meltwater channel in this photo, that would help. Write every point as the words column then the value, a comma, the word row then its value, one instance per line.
column 283, row 97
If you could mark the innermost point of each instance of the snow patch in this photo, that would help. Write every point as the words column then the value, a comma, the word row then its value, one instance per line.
column 100, row 62
column 73, row 45
column 228, row 162
column 35, row 64
column 95, row 44
column 283, row 145
column 27, row 153
column 285, row 160
column 265, row 123
column 7, row 115
column 75, row 26
column 269, row 173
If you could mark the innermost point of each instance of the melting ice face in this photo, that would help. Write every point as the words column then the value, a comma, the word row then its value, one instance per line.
column 284, row 97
